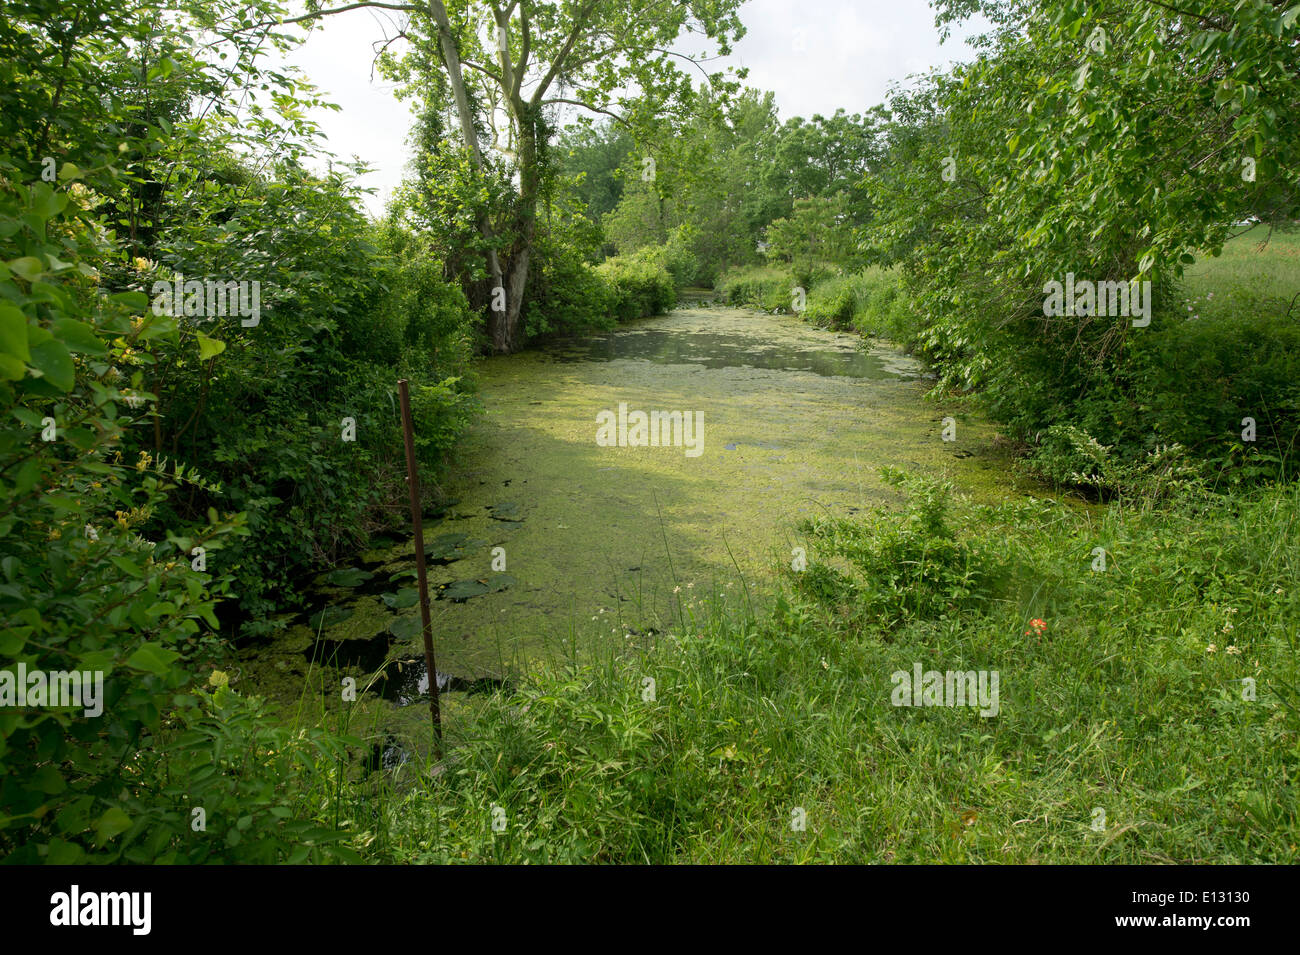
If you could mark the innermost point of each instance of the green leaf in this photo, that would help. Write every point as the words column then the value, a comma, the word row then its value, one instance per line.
column 209, row 347
column 404, row 628
column 136, row 301
column 28, row 267
column 462, row 590
column 79, row 337
column 152, row 659
column 13, row 333
column 112, row 823
column 47, row 780
column 405, row 597
column 52, row 360
column 347, row 577
column 127, row 565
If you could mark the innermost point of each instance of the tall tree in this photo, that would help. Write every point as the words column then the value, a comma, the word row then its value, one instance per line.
column 512, row 65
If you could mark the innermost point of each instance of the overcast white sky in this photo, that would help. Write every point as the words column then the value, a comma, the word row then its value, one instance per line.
column 816, row 55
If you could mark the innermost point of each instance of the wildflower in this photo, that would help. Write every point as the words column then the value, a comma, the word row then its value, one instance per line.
column 1211, row 648
column 1227, row 628
column 1233, row 651
column 677, row 590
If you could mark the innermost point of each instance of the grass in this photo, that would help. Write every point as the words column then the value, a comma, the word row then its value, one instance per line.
column 1130, row 702
column 870, row 301
column 1149, row 716
column 1264, row 263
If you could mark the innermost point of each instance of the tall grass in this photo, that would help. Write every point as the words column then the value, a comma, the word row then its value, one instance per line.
column 870, row 301
column 1129, row 702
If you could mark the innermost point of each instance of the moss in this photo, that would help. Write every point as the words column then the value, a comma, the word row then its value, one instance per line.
column 615, row 539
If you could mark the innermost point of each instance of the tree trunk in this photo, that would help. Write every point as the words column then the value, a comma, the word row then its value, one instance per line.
column 498, row 322
column 513, row 333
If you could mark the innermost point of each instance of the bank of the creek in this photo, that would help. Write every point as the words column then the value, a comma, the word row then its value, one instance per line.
column 612, row 543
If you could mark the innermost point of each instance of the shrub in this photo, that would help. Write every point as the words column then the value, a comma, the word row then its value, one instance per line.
column 897, row 569
column 765, row 287
column 640, row 286
column 565, row 293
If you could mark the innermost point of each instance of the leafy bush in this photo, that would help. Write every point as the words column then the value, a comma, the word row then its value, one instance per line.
column 985, row 196
column 153, row 465
column 296, row 416
column 1198, row 381
column 913, row 567
column 639, row 285
column 677, row 255
column 92, row 582
column 566, row 293
column 764, row 287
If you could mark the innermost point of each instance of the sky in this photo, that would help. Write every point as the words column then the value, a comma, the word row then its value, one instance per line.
column 816, row 55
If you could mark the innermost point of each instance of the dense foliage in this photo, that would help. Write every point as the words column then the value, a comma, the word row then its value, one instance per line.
column 162, row 465
column 1113, row 142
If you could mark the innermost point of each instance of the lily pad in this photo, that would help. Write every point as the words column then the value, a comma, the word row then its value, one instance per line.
column 404, row 628
column 461, row 590
column 506, row 511
column 446, row 547
column 406, row 597
column 347, row 577
column 497, row 582
column 328, row 617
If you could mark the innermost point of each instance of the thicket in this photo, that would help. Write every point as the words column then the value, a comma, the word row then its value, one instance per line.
column 167, row 474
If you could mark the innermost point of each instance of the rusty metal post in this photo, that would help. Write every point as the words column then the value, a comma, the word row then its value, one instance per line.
column 413, row 482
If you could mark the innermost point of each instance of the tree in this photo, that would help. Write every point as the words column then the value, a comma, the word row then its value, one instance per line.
column 511, row 66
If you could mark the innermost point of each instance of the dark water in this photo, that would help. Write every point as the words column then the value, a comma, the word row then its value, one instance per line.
column 718, row 350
